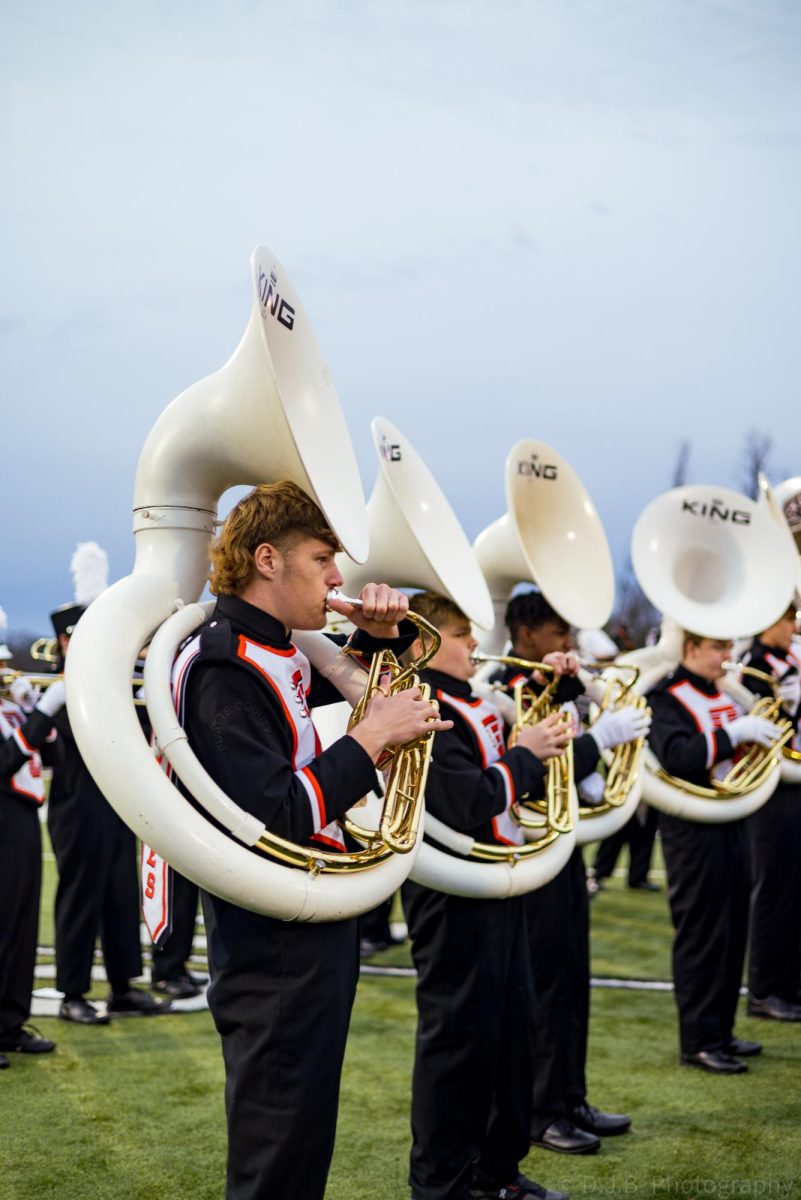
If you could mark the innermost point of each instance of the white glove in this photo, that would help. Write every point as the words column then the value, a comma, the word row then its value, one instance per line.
column 591, row 790
column 24, row 694
column 620, row 725
column 53, row 699
column 752, row 729
column 789, row 690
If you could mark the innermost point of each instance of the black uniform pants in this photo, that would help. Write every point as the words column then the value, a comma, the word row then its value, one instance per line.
column 708, row 886
column 20, row 883
column 171, row 957
column 97, row 893
column 281, row 995
column 559, row 946
column 472, row 1068
column 639, row 836
column 775, row 949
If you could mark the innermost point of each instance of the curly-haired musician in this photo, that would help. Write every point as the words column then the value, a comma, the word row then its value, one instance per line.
column 26, row 727
column 774, row 955
column 695, row 732
column 281, row 993
column 558, row 914
column 472, row 1073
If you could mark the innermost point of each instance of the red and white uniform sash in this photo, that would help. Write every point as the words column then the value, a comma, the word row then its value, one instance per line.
column 28, row 780
column 781, row 667
column 486, row 725
column 709, row 713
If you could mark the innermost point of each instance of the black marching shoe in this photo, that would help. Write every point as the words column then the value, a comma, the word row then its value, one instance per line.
column 4, row 1062
column 181, row 988
column 602, row 1124
column 26, row 1040
column 521, row 1188
column 566, row 1138
column 79, row 1010
column 134, row 1003
column 774, row 1008
column 716, row 1061
column 645, row 885
column 742, row 1048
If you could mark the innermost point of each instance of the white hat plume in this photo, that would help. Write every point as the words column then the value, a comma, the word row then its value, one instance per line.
column 89, row 567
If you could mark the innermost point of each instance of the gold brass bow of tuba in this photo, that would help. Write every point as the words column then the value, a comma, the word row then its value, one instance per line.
column 530, row 708
column 405, row 766
column 623, row 762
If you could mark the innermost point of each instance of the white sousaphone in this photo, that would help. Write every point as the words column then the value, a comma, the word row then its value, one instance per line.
column 551, row 535
column 717, row 564
column 416, row 541
column 270, row 413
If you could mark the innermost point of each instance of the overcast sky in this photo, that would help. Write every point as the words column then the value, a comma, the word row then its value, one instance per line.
column 575, row 220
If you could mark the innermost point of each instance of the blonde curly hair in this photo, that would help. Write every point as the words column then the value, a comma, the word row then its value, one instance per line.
column 279, row 513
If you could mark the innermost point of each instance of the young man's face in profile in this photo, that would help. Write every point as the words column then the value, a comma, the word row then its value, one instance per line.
column 453, row 656
column 304, row 575
column 707, row 658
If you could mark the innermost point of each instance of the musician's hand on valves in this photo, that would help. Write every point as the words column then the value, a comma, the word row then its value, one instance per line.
column 54, row 699
column 752, row 729
column 548, row 738
column 788, row 690
column 616, row 726
column 393, row 720
column 23, row 693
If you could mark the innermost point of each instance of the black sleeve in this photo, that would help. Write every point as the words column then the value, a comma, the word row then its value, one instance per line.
column 245, row 744
column 463, row 793
column 682, row 749
column 585, row 756
column 15, row 751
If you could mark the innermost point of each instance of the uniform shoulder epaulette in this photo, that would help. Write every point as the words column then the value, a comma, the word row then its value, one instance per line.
column 662, row 685
column 217, row 640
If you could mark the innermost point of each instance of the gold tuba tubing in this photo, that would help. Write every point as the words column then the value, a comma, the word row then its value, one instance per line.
column 530, row 708
column 405, row 766
column 623, row 763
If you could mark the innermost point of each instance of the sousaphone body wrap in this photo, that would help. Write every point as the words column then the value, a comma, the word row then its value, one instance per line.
column 270, row 413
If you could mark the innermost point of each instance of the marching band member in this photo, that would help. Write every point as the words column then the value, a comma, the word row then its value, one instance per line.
column 281, row 992
column 98, row 885
column 26, row 726
column 774, row 956
column 561, row 1118
column 696, row 730
column 472, row 1072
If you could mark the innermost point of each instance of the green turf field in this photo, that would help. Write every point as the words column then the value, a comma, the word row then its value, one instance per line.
column 133, row 1111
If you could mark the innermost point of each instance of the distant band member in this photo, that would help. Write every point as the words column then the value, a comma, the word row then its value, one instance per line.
column 561, row 1117
column 26, row 727
column 281, row 992
column 98, row 883
column 471, row 1085
column 774, row 955
column 695, row 732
